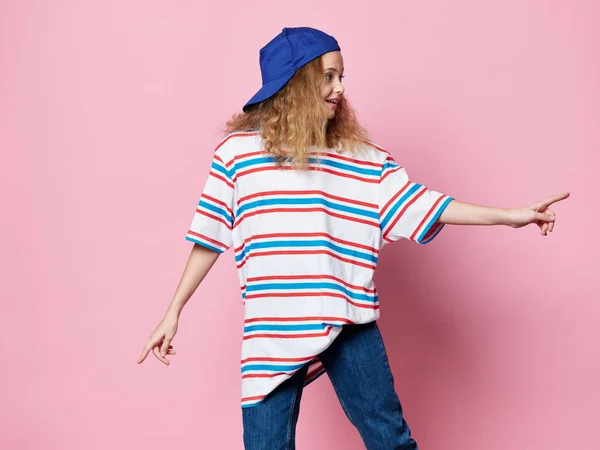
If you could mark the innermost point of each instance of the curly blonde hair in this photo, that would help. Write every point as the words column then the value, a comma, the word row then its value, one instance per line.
column 295, row 119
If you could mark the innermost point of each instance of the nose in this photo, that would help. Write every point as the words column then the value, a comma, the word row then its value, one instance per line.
column 339, row 89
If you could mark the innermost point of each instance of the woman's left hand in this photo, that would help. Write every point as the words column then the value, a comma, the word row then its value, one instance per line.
column 538, row 213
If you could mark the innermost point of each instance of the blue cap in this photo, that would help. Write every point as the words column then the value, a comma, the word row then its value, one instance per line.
column 285, row 54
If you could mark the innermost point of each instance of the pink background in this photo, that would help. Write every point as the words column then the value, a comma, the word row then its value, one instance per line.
column 109, row 113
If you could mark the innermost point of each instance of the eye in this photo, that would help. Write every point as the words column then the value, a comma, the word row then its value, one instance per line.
column 328, row 76
column 342, row 77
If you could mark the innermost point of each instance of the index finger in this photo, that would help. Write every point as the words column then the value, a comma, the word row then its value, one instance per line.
column 145, row 352
column 554, row 199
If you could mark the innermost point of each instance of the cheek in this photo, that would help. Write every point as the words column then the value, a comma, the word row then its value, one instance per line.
column 325, row 91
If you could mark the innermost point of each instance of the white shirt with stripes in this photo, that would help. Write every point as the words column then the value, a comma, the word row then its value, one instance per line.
column 306, row 246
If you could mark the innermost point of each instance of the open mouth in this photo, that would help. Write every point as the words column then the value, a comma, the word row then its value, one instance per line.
column 333, row 102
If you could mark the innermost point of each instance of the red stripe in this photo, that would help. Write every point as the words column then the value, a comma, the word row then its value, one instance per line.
column 316, row 209
column 258, row 358
column 432, row 231
column 309, row 277
column 377, row 147
column 389, row 172
column 243, row 134
column 321, row 368
column 217, row 218
column 315, row 362
column 258, row 397
column 323, row 154
column 398, row 194
column 224, row 180
column 305, row 252
column 309, row 192
column 247, row 155
column 217, row 243
column 352, row 160
column 315, row 294
column 320, row 169
column 233, row 135
column 264, row 375
column 292, row 235
column 412, row 237
column 218, row 202
column 395, row 221
column 297, row 319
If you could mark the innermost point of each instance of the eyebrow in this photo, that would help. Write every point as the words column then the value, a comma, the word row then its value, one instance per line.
column 334, row 69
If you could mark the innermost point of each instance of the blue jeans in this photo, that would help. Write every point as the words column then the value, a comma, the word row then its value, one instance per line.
column 358, row 368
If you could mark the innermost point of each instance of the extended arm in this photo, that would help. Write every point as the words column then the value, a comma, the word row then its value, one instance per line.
column 461, row 213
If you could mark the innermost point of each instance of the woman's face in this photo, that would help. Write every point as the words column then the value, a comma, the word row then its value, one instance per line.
column 333, row 74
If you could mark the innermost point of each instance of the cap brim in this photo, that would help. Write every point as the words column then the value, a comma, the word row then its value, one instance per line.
column 268, row 90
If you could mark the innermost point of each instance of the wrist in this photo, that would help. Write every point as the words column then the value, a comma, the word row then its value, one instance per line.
column 173, row 313
column 508, row 217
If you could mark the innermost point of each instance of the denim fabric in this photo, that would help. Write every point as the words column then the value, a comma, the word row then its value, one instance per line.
column 358, row 368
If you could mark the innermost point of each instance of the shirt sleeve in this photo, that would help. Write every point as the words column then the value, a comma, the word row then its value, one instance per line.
column 213, row 220
column 406, row 209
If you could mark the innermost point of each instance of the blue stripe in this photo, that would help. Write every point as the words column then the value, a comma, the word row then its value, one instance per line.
column 270, row 367
column 219, row 168
column 204, row 244
column 312, row 243
column 388, row 165
column 255, row 161
column 220, row 211
column 339, row 165
column 307, row 201
column 315, row 161
column 250, row 405
column 305, row 327
column 398, row 204
column 432, row 222
column 318, row 285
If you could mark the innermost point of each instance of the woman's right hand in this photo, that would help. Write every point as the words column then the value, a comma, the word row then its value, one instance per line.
column 160, row 340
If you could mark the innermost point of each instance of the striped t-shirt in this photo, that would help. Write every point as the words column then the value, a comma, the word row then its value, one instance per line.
column 306, row 246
